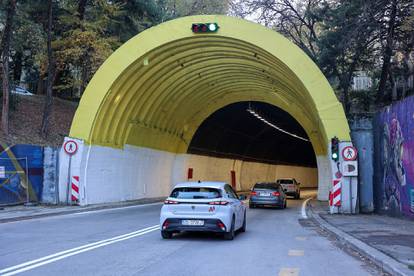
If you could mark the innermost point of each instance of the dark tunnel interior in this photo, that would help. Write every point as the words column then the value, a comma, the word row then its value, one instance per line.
column 236, row 133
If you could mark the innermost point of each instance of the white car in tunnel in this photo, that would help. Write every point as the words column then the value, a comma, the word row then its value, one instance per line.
column 203, row 206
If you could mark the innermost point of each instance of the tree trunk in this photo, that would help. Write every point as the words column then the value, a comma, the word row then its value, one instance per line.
column 84, row 79
column 17, row 69
column 81, row 9
column 387, row 53
column 5, row 47
column 40, row 84
column 50, row 73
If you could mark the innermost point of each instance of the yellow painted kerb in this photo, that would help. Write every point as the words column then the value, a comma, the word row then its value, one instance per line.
column 157, row 88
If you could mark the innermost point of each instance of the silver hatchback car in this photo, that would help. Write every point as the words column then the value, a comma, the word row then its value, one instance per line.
column 203, row 206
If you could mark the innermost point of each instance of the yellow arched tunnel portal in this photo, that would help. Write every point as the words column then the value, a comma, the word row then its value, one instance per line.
column 157, row 88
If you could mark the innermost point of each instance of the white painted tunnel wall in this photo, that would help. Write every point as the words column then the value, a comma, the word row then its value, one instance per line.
column 111, row 175
column 247, row 173
column 132, row 173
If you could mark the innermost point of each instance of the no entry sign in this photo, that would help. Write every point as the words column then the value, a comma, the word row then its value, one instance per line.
column 70, row 147
column 349, row 153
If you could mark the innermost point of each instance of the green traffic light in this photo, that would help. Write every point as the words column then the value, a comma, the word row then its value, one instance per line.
column 204, row 27
column 334, row 155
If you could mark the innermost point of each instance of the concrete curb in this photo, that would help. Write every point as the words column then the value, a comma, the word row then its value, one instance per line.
column 382, row 260
column 83, row 209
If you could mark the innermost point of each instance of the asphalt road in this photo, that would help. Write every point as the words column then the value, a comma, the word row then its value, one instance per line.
column 127, row 241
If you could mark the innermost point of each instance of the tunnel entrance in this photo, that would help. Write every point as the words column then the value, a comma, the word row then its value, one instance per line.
column 140, row 116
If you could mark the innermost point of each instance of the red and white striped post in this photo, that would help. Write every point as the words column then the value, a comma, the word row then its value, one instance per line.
column 75, row 189
column 336, row 193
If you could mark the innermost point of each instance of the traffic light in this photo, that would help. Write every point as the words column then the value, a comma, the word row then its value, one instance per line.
column 205, row 27
column 335, row 149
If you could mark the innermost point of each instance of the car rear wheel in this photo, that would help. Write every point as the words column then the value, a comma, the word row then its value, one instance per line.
column 230, row 235
column 285, row 205
column 243, row 228
column 251, row 206
column 166, row 235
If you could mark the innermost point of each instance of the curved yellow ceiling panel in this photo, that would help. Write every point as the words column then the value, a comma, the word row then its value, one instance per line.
column 157, row 88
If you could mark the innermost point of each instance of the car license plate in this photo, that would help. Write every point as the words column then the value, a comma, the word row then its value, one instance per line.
column 192, row 222
column 265, row 194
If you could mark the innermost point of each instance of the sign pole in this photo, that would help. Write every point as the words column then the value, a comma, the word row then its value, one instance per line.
column 68, row 186
column 350, row 194
column 27, row 181
column 70, row 147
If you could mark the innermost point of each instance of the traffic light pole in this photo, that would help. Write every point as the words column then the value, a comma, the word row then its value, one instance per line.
column 344, row 172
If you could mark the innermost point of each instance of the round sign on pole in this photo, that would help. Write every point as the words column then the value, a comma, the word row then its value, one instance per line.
column 349, row 153
column 70, row 147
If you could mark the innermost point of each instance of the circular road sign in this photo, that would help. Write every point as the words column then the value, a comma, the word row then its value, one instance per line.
column 70, row 147
column 349, row 153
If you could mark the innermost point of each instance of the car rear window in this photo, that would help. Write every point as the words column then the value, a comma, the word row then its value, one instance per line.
column 195, row 193
column 266, row 186
column 285, row 181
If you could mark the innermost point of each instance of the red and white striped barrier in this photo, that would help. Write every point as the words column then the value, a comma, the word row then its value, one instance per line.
column 75, row 188
column 336, row 193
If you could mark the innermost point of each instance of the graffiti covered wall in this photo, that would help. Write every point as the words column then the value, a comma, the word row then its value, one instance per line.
column 394, row 159
column 21, row 171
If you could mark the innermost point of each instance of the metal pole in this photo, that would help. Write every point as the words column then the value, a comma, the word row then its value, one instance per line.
column 57, row 177
column 350, row 194
column 27, row 184
column 68, row 186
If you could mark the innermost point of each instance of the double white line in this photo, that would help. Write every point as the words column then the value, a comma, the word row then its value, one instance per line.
column 74, row 251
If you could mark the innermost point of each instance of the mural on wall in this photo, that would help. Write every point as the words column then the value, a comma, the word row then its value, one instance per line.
column 21, row 171
column 395, row 158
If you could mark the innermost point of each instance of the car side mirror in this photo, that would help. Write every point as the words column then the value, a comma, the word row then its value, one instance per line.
column 242, row 197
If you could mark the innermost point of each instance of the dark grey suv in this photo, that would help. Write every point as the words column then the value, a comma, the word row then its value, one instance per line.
column 267, row 194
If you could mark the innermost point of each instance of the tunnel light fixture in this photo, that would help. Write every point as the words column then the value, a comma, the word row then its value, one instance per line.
column 204, row 27
column 255, row 114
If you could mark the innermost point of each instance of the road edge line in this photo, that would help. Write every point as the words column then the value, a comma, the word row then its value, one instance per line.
column 77, row 211
column 304, row 207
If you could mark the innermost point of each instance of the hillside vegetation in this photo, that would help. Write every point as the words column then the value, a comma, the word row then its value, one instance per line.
column 26, row 120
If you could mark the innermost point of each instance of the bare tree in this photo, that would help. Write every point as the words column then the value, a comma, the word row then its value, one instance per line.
column 50, row 73
column 295, row 20
column 5, row 53
column 387, row 52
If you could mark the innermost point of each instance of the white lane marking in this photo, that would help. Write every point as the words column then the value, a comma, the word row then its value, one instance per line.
column 296, row 252
column 74, row 251
column 286, row 271
column 304, row 215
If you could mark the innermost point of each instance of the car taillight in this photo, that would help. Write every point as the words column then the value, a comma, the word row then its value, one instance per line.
column 165, row 225
column 253, row 193
column 170, row 202
column 276, row 194
column 221, row 225
column 218, row 202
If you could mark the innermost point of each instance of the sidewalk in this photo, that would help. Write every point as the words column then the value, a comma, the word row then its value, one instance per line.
column 20, row 212
column 386, row 241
